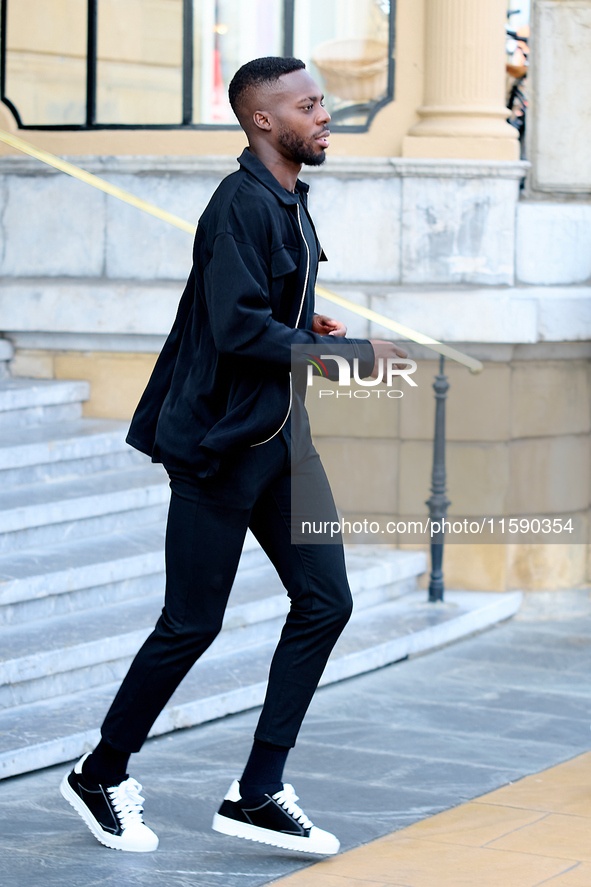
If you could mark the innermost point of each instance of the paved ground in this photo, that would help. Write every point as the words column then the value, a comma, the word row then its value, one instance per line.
column 377, row 753
column 530, row 833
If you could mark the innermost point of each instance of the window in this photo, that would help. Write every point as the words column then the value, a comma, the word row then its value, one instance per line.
column 84, row 64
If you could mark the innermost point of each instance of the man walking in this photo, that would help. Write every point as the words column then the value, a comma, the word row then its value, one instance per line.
column 217, row 413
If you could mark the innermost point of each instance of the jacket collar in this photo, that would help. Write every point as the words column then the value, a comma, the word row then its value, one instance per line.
column 251, row 163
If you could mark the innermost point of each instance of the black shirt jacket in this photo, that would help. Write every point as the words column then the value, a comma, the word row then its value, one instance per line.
column 222, row 381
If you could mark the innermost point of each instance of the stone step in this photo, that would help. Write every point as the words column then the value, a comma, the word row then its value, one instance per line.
column 56, row 605
column 118, row 460
column 48, row 513
column 83, row 528
column 30, row 416
column 47, row 452
column 33, row 401
column 36, row 663
column 21, row 447
column 56, row 730
column 80, row 575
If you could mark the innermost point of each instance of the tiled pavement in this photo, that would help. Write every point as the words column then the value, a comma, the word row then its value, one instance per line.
column 378, row 754
column 533, row 832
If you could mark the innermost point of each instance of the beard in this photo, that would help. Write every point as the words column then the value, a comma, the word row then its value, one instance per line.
column 301, row 151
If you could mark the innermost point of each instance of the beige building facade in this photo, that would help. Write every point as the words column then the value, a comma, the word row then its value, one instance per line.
column 449, row 73
column 419, row 207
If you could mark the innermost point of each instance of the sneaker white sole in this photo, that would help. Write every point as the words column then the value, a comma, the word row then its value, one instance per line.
column 115, row 842
column 319, row 841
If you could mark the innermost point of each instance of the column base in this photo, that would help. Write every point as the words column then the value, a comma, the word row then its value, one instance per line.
column 462, row 147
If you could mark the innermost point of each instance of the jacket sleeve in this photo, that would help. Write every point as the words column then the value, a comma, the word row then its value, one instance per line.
column 236, row 286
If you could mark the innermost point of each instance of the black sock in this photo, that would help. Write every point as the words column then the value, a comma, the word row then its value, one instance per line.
column 106, row 765
column 264, row 770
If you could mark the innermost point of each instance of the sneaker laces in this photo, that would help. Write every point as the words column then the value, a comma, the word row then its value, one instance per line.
column 127, row 801
column 287, row 798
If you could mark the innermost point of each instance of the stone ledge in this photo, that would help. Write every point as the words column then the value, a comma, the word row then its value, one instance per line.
column 115, row 343
column 513, row 315
column 461, row 169
column 216, row 165
column 94, row 308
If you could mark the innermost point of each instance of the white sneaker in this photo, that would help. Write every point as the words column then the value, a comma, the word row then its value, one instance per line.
column 112, row 813
column 273, row 819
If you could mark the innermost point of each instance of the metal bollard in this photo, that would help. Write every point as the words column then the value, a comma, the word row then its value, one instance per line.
column 438, row 502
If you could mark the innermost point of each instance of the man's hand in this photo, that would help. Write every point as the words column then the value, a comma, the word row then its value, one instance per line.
column 326, row 326
column 385, row 350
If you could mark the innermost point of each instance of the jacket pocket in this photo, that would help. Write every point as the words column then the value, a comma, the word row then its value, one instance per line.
column 283, row 261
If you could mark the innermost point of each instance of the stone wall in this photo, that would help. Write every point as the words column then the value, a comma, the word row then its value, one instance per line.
column 553, row 244
column 410, row 221
column 560, row 123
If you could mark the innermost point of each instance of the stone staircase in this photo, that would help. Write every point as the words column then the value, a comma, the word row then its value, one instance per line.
column 82, row 519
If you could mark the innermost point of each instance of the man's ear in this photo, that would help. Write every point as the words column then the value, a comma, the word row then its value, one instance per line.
column 262, row 119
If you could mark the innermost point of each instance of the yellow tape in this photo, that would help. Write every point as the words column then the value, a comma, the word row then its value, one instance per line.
column 474, row 365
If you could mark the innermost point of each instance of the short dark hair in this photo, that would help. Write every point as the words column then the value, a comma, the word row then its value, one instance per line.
column 257, row 72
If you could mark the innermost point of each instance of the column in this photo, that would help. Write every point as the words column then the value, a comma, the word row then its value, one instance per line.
column 464, row 113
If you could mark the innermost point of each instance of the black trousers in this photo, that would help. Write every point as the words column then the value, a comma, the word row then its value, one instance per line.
column 207, row 524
